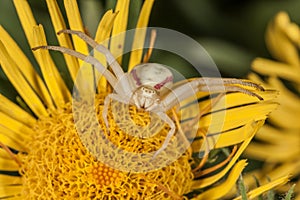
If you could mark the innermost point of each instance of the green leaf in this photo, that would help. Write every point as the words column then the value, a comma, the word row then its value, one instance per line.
column 290, row 193
column 260, row 197
column 242, row 188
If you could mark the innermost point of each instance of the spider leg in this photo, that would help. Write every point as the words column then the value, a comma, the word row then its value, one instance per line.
column 107, row 99
column 117, row 69
column 208, row 85
column 163, row 116
column 230, row 81
column 89, row 59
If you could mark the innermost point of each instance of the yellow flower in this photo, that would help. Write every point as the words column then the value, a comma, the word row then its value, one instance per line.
column 278, row 142
column 42, row 157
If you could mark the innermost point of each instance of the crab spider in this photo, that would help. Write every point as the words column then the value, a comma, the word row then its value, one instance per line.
column 145, row 85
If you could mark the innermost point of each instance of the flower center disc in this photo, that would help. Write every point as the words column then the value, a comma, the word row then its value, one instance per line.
column 58, row 166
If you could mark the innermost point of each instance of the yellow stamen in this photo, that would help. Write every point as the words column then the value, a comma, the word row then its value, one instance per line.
column 220, row 190
column 205, row 158
column 57, row 155
column 163, row 188
column 217, row 166
column 181, row 131
column 151, row 45
column 212, row 179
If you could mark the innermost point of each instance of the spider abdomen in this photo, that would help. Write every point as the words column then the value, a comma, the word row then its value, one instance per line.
column 153, row 75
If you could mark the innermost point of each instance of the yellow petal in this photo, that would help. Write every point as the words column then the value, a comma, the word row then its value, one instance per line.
column 63, row 39
column 272, row 68
column 233, row 137
column 102, row 34
column 286, row 97
column 262, row 189
column 75, row 23
column 3, row 153
column 26, row 18
column 273, row 135
column 22, row 131
column 273, row 153
column 236, row 116
column 252, row 128
column 265, row 175
column 19, row 82
column 24, row 65
column 220, row 190
column 291, row 167
column 229, row 100
column 279, row 44
column 9, row 180
column 120, row 25
column 8, row 165
column 254, row 77
column 105, row 27
column 14, row 138
column 13, row 143
column 284, row 117
column 224, row 139
column 291, row 30
column 11, row 192
column 139, row 37
column 54, row 82
column 15, row 112
column 28, row 22
column 237, row 99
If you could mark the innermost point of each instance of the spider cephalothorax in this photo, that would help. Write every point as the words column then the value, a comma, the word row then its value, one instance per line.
column 145, row 97
column 151, row 81
column 150, row 86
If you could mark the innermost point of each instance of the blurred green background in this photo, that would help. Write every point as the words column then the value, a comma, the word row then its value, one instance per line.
column 232, row 31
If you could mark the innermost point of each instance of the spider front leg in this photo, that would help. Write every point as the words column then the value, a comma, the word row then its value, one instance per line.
column 190, row 88
column 107, row 100
column 86, row 58
column 117, row 69
column 112, row 62
column 163, row 116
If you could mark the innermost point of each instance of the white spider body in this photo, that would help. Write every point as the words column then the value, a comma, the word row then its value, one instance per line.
column 151, row 80
column 144, row 97
column 150, row 86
